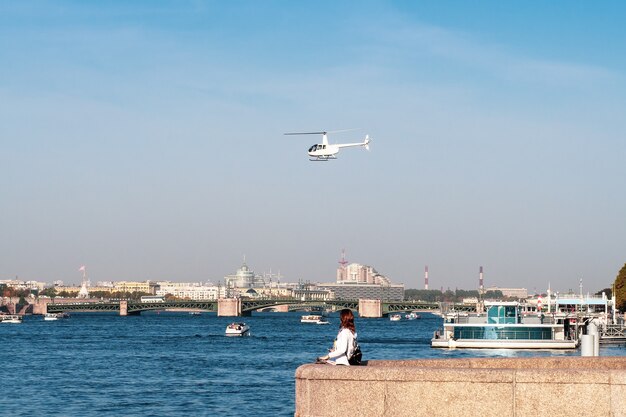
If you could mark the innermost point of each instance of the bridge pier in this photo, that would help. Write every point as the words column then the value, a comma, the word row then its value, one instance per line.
column 123, row 308
column 41, row 306
column 229, row 307
column 370, row 308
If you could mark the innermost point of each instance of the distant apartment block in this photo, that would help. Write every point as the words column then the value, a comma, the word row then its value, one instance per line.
column 360, row 274
column 356, row 281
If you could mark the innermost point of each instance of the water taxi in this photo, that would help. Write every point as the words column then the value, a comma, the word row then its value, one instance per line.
column 395, row 317
column 314, row 318
column 51, row 316
column 503, row 327
column 11, row 318
column 237, row 329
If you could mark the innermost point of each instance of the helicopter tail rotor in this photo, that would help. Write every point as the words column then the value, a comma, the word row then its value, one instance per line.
column 366, row 144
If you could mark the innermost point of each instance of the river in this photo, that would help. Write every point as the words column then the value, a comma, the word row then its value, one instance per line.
column 176, row 364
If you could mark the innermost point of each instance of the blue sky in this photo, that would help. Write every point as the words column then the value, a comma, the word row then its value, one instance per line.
column 145, row 140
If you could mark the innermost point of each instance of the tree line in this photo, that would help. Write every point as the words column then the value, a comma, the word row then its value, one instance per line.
column 450, row 296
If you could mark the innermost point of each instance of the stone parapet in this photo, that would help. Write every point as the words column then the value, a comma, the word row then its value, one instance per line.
column 555, row 386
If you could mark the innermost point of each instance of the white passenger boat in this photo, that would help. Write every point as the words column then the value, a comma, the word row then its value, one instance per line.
column 55, row 316
column 502, row 327
column 51, row 316
column 314, row 318
column 237, row 329
column 395, row 317
column 10, row 318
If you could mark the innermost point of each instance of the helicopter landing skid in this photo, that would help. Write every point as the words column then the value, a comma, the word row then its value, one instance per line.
column 322, row 158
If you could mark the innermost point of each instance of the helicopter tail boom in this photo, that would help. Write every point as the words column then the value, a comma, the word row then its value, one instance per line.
column 365, row 143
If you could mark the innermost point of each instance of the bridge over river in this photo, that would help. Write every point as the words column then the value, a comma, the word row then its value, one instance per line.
column 243, row 307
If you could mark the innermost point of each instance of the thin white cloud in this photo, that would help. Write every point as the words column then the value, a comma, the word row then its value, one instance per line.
column 492, row 58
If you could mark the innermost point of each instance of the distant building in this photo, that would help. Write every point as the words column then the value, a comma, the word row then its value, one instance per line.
column 355, row 281
column 244, row 278
column 312, row 294
column 133, row 286
column 355, row 291
column 520, row 293
column 191, row 291
column 362, row 274
column 23, row 285
column 76, row 288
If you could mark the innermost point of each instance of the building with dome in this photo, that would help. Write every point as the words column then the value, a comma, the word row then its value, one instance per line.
column 244, row 278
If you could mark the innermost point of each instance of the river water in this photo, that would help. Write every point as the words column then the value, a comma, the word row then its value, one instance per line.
column 176, row 364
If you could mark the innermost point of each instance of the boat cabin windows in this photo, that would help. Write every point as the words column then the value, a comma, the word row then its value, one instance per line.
column 503, row 333
column 503, row 314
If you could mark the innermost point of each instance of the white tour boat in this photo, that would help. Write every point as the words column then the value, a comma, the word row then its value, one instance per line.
column 11, row 318
column 395, row 317
column 55, row 316
column 51, row 316
column 502, row 327
column 314, row 318
column 237, row 329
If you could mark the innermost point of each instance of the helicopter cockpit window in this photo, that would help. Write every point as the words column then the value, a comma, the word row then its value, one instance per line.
column 313, row 148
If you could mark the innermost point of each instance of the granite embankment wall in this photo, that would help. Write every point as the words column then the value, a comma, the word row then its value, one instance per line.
column 551, row 386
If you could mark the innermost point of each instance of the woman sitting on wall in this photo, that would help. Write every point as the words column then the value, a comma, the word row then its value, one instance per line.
column 344, row 345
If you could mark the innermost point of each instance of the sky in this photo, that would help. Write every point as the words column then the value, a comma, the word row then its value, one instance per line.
column 145, row 140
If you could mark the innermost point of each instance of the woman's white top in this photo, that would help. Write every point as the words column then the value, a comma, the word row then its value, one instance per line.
column 344, row 346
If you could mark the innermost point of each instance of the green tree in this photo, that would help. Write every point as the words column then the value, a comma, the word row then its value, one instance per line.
column 100, row 294
column 620, row 289
column 494, row 295
column 49, row 292
column 422, row 295
column 607, row 291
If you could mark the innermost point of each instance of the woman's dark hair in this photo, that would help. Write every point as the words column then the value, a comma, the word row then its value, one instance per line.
column 347, row 319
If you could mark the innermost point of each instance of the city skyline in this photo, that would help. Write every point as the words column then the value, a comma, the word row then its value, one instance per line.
column 146, row 140
column 279, row 278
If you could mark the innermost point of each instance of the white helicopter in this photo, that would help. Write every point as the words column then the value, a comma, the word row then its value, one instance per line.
column 325, row 151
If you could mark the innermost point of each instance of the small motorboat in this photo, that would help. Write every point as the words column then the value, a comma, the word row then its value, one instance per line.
column 412, row 316
column 55, row 316
column 11, row 318
column 395, row 317
column 51, row 316
column 314, row 318
column 237, row 329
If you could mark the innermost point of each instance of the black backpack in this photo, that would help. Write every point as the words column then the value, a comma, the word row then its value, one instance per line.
column 357, row 355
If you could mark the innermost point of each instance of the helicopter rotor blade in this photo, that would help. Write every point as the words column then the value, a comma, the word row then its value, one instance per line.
column 306, row 133
column 323, row 132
